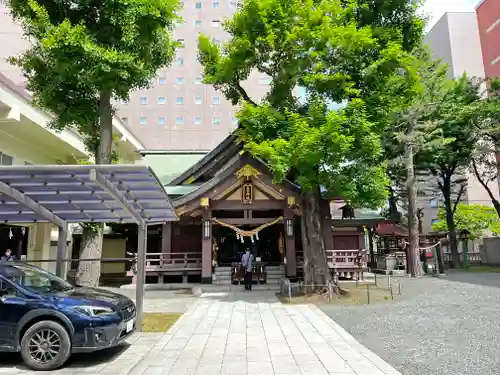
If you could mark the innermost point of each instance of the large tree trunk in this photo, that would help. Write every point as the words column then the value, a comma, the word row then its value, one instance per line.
column 316, row 271
column 89, row 272
column 413, row 253
column 450, row 223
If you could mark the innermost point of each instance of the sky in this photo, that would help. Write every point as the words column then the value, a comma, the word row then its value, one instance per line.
column 436, row 8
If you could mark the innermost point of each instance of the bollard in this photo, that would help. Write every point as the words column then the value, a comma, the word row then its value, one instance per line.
column 368, row 292
column 374, row 274
column 392, row 295
column 389, row 282
column 289, row 292
column 399, row 288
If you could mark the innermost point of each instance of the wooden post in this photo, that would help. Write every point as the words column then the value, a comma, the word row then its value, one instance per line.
column 291, row 255
column 206, row 249
column 166, row 242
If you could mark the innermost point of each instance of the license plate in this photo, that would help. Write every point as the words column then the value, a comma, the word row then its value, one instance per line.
column 130, row 326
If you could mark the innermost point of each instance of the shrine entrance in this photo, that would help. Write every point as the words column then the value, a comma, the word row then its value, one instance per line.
column 268, row 246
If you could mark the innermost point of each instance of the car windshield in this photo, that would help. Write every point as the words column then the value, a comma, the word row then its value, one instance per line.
column 32, row 278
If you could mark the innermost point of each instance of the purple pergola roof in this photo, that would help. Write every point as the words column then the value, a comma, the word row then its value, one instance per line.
column 83, row 193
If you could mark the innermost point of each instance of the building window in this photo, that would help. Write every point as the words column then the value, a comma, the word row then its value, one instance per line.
column 215, row 23
column 143, row 100
column 197, row 5
column 161, row 120
column 198, row 80
column 5, row 159
column 143, row 120
column 216, row 100
column 215, row 4
column 162, row 81
column 161, row 100
column 179, row 120
column 217, row 42
column 197, row 120
column 433, row 203
column 197, row 23
column 197, row 99
column 234, row 120
column 179, row 80
column 179, row 61
column 216, row 120
column 125, row 120
column 233, row 4
column 434, row 221
column 179, row 100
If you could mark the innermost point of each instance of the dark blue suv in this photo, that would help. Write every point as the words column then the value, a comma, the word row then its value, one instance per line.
column 46, row 318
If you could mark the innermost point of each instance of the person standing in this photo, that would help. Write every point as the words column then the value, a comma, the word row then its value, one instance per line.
column 8, row 255
column 247, row 262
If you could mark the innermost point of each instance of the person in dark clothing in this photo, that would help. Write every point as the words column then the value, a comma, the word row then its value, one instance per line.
column 8, row 255
column 247, row 263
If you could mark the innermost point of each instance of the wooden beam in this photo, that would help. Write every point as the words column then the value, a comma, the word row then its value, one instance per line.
column 255, row 205
column 257, row 221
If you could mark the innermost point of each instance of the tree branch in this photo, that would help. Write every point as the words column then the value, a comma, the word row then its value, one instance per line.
column 461, row 191
column 244, row 94
column 481, row 181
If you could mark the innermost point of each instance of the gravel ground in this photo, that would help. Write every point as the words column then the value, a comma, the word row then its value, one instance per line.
column 438, row 326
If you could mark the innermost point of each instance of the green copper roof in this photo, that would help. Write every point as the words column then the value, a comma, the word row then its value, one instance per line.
column 362, row 213
column 169, row 165
column 180, row 189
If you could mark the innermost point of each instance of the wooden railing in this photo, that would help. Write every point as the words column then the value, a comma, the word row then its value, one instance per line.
column 473, row 257
column 172, row 260
column 344, row 263
column 169, row 261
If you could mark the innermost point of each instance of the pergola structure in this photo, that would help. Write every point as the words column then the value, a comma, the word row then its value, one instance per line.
column 63, row 194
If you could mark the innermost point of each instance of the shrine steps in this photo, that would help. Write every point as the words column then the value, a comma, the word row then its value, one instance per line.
column 274, row 275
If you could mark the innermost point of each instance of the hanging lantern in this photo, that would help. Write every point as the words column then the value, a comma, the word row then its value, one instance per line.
column 237, row 236
column 251, row 238
column 257, row 236
column 242, row 239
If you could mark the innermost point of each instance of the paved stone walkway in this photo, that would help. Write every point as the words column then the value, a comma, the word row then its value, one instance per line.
column 233, row 337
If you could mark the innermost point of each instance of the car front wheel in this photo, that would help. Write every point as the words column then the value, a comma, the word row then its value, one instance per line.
column 45, row 346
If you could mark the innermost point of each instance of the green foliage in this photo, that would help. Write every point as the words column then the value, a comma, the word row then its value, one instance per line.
column 453, row 116
column 339, row 51
column 81, row 49
column 474, row 219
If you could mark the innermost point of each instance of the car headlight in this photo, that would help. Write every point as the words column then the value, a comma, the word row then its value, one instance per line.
column 94, row 310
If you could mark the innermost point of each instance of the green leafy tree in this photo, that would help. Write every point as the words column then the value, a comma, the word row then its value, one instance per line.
column 83, row 55
column 486, row 121
column 449, row 163
column 475, row 220
column 337, row 51
column 422, row 83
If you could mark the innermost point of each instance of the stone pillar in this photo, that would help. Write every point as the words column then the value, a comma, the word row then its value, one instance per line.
column 291, row 256
column 206, row 249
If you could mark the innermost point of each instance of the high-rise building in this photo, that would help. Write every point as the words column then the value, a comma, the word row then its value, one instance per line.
column 178, row 111
column 455, row 40
column 488, row 19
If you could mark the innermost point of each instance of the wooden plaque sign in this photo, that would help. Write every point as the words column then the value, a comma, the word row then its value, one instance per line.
column 247, row 193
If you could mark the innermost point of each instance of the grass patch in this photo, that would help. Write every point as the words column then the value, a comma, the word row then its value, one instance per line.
column 357, row 295
column 481, row 269
column 158, row 322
